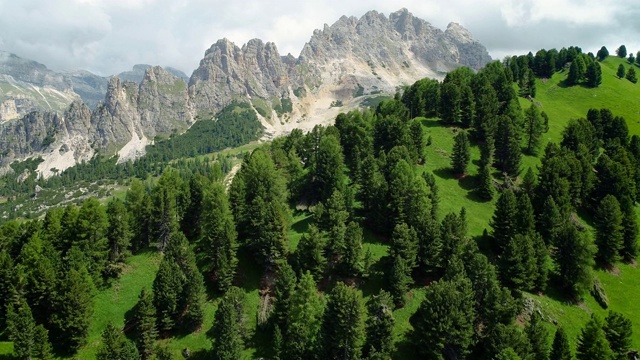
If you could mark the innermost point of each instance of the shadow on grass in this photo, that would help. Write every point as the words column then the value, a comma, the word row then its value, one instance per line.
column 248, row 271
column 200, row 355
column 376, row 280
column 262, row 341
column 432, row 123
column 405, row 349
column 444, row 173
column 302, row 226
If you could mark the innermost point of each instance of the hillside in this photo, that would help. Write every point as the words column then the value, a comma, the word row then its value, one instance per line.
column 559, row 102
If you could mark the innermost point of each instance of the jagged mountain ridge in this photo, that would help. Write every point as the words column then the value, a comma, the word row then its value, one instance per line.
column 341, row 63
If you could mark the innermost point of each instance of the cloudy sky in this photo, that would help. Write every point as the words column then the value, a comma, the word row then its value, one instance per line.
column 109, row 36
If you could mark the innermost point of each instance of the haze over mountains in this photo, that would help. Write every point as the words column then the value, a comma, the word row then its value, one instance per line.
column 67, row 117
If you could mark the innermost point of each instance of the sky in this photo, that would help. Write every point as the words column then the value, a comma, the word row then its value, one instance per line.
column 110, row 36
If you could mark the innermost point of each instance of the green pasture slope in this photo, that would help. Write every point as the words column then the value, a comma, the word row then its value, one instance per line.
column 561, row 103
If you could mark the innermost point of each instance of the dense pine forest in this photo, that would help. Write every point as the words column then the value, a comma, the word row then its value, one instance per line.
column 480, row 217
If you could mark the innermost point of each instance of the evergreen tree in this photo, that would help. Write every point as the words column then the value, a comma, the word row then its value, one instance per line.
column 401, row 183
column 304, row 320
column 167, row 287
column 504, row 221
column 508, row 154
column 404, row 243
column 329, row 168
column 284, row 287
column 352, row 256
column 609, row 231
column 21, row 329
column 309, row 255
column 560, row 349
column 542, row 260
column 592, row 342
column 118, row 233
column 450, row 101
column 270, row 242
column 43, row 348
column 574, row 260
column 191, row 224
column 621, row 71
column 549, row 221
column 529, row 184
column 533, row 128
column 525, row 221
column 145, row 324
column 73, row 309
column 517, row 263
column 594, row 74
column 630, row 231
column 621, row 51
column 228, row 326
column 91, row 229
column 115, row 346
column 576, row 72
column 399, row 279
column 443, row 324
column 538, row 337
column 486, row 189
column 631, row 75
column 219, row 236
column 138, row 205
column 618, row 331
column 508, row 354
column 502, row 337
column 461, row 153
column 379, row 325
column 602, row 54
column 343, row 324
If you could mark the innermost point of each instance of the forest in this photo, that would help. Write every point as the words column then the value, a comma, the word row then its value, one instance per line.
column 384, row 264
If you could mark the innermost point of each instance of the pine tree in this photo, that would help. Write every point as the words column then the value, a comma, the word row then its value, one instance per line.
column 91, row 229
column 602, row 54
column 560, row 349
column 404, row 243
column 486, row 189
column 618, row 331
column 118, row 233
column 304, row 319
column 517, row 263
column 379, row 325
column 329, row 167
column 461, row 153
column 574, row 260
column 219, row 236
column 609, row 231
column 43, row 348
column 538, row 337
column 284, row 287
column 594, row 74
column 192, row 222
column 164, row 215
column 630, row 231
column 533, row 128
column 167, row 287
column 592, row 343
column 73, row 309
column 631, row 75
column 309, row 255
column 115, row 346
column 621, row 51
column 270, row 243
column 145, row 324
column 228, row 326
column 399, row 279
column 353, row 252
column 621, row 71
column 504, row 221
column 508, row 354
column 525, row 221
column 138, row 205
column 21, row 329
column 549, row 221
column 444, row 320
column 343, row 324
column 542, row 260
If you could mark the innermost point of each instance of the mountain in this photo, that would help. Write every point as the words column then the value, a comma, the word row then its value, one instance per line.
column 136, row 74
column 341, row 66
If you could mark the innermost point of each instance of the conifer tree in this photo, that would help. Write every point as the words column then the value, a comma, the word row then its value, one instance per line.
column 525, row 221
column 504, row 221
column 167, row 287
column 542, row 260
column 592, row 342
column 631, row 75
column 284, row 287
column 21, row 329
column 594, row 74
column 228, row 326
column 630, row 231
column 352, row 256
column 304, row 319
column 621, row 71
column 138, row 205
column 118, row 233
column 560, row 349
column 44, row 350
column 309, row 255
column 191, row 224
column 399, row 279
column 164, row 216
column 115, row 346
column 533, row 128
column 517, row 263
column 444, row 320
column 486, row 189
column 404, row 243
column 549, row 221
column 342, row 329
column 461, row 153
column 609, row 231
column 507, row 142
column 219, row 236
column 401, row 183
column 508, row 354
column 529, row 184
column 538, row 337
column 329, row 167
column 145, row 324
column 618, row 331
column 379, row 325
column 91, row 229
column 574, row 259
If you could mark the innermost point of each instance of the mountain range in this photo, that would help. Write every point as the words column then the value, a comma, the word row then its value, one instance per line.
column 68, row 117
